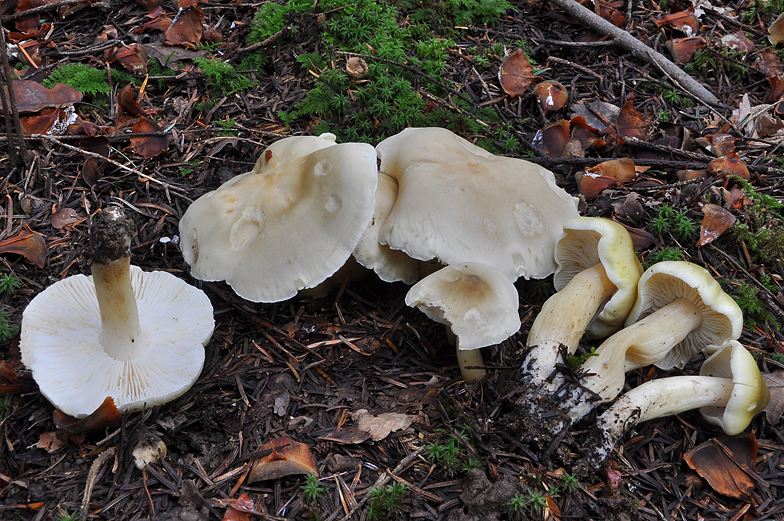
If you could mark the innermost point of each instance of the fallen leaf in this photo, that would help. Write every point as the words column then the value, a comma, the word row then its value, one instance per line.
column 238, row 509
column 62, row 217
column 126, row 102
column 590, row 185
column 381, row 426
column 622, row 170
column 712, row 461
column 631, row 208
column 684, row 21
column 105, row 416
column 52, row 441
column 10, row 379
column 27, row 243
column 516, row 73
column 586, row 134
column 775, row 408
column 597, row 113
column 729, row 165
column 630, row 123
column 132, row 57
column 148, row 146
column 29, row 53
column 691, row 175
column 551, row 95
column 92, row 171
column 554, row 136
column 776, row 88
column 98, row 145
column 719, row 144
column 641, row 239
column 31, row 96
column 768, row 63
column 737, row 42
column 682, row 49
column 187, row 28
column 169, row 56
column 148, row 5
column 286, row 457
column 776, row 30
column 716, row 221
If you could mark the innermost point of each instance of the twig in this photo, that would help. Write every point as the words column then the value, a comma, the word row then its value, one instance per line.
column 267, row 41
column 638, row 49
column 92, row 477
column 8, row 75
column 40, row 8
column 580, row 68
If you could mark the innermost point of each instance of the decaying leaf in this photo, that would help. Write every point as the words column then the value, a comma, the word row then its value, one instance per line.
column 729, row 165
column 684, row 21
column 756, row 120
column 775, row 383
column 62, row 217
column 737, row 42
column 31, row 245
column 169, row 56
column 239, row 509
column 516, row 73
column 148, row 146
column 381, row 426
column 551, row 95
column 630, row 123
column 92, row 170
column 727, row 464
column 716, row 221
column 719, row 144
column 622, row 170
column 126, row 102
column 641, row 239
column 286, row 457
column 53, row 441
column 768, row 63
column 10, row 379
column 187, row 27
column 682, row 49
column 590, row 185
column 132, row 57
column 105, row 416
column 554, row 136
column 631, row 207
column 31, row 96
column 776, row 30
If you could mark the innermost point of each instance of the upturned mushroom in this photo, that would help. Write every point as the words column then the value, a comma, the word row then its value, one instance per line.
column 596, row 280
column 286, row 225
column 729, row 392
column 137, row 337
column 459, row 203
column 476, row 302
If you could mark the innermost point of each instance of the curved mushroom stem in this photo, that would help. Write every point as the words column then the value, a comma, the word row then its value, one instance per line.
column 120, row 327
column 643, row 343
column 563, row 320
column 467, row 358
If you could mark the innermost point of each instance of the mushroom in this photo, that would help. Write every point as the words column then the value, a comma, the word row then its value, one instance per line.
column 476, row 302
column 680, row 308
column 459, row 203
column 288, row 224
column 729, row 392
column 596, row 280
column 137, row 337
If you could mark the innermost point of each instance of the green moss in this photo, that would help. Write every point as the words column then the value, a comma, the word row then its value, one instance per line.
column 87, row 80
column 221, row 77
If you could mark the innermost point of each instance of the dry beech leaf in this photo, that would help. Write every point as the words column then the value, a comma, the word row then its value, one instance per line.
column 286, row 457
column 554, row 137
column 31, row 96
column 622, row 170
column 630, row 123
column 727, row 474
column 716, row 221
column 768, row 63
column 149, row 5
column 775, row 407
column 631, row 208
column 776, row 89
column 516, row 73
column 40, row 123
column 776, row 30
column 126, row 102
column 590, row 185
column 684, row 21
column 682, row 49
column 159, row 23
column 585, row 133
column 27, row 243
column 641, row 239
column 187, row 28
column 133, row 58
column 10, row 379
column 551, row 95
column 239, row 509
column 92, row 171
column 53, row 441
column 737, row 42
column 721, row 144
column 148, row 146
column 30, row 55
column 62, row 217
column 729, row 165
column 691, row 175
column 104, row 417
column 98, row 145
column 381, row 426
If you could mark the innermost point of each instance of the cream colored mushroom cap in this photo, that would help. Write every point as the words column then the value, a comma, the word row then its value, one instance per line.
column 478, row 302
column 390, row 265
column 287, row 149
column 60, row 344
column 750, row 394
column 588, row 241
column 722, row 319
column 459, row 203
column 274, row 233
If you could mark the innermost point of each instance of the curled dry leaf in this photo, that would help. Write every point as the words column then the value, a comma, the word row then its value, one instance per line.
column 776, row 88
column 381, row 426
column 775, row 407
column 691, row 175
column 516, row 73
column 148, row 146
column 641, row 239
column 127, row 103
column 187, row 28
column 585, row 133
column 590, row 185
column 721, row 144
column 716, row 221
column 776, row 30
column 551, row 95
column 10, row 377
column 727, row 166
column 622, row 170
column 27, row 243
column 768, row 63
column 630, row 123
column 133, row 58
column 148, row 5
column 31, row 96
column 105, row 416
column 683, row 21
column 286, row 457
column 554, row 136
column 631, row 208
column 92, row 170
column 737, row 42
column 726, row 463
column 682, row 49
column 62, row 217
column 239, row 509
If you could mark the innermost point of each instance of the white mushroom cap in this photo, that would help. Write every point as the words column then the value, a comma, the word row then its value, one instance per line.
column 749, row 396
column 476, row 301
column 459, row 203
column 290, row 148
column 390, row 265
column 588, row 241
column 60, row 344
column 272, row 233
column 667, row 281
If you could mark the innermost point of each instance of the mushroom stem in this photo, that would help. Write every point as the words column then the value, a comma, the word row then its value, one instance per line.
column 110, row 237
column 563, row 320
column 471, row 357
column 643, row 343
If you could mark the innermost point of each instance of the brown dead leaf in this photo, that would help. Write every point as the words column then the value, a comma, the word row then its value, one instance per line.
column 40, row 123
column 720, row 144
column 682, row 49
column 716, row 221
column 727, row 474
column 187, row 28
column 27, row 243
column 590, row 185
column 97, row 145
column 132, row 57
column 160, row 23
column 551, row 95
column 775, row 383
column 29, row 53
column 104, row 417
column 631, row 208
column 630, row 123
column 776, row 88
column 62, row 217
column 683, row 21
column 729, row 165
column 239, row 508
column 768, row 63
column 585, row 133
column 622, row 170
column 10, row 380
column 381, row 426
column 516, row 73
column 148, row 146
column 149, row 5
column 737, row 42
column 126, row 102
column 554, row 136
column 53, row 441
column 776, row 30
column 286, row 457
column 31, row 96
column 641, row 239
column 169, row 56
column 92, row 171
